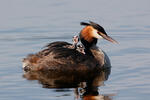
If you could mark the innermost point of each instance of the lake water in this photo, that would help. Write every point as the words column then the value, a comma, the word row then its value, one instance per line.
column 27, row 25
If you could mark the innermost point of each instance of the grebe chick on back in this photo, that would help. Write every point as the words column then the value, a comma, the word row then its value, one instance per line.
column 78, row 47
column 63, row 56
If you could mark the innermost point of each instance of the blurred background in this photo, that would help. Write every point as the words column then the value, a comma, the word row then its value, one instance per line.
column 27, row 25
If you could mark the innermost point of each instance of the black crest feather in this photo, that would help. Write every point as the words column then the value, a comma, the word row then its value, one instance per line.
column 84, row 23
column 94, row 25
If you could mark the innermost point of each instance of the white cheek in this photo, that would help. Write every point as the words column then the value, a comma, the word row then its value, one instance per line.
column 96, row 35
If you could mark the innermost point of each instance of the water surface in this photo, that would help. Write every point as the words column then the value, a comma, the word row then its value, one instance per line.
column 27, row 25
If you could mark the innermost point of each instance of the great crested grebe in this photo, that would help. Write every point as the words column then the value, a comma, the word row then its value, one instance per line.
column 64, row 56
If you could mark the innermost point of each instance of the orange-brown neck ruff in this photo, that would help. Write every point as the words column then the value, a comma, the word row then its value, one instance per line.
column 87, row 33
column 87, row 38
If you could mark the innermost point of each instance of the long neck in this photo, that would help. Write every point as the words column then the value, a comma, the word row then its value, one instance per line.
column 88, row 45
column 92, row 50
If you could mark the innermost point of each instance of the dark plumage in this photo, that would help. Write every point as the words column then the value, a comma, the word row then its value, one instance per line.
column 64, row 56
column 59, row 55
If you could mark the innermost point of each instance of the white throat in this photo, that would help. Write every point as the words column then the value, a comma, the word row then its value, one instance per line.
column 96, row 35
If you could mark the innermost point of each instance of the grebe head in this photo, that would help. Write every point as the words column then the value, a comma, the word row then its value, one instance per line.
column 91, row 32
column 75, row 39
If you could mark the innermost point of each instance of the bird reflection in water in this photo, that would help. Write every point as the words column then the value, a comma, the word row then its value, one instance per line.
column 85, row 84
